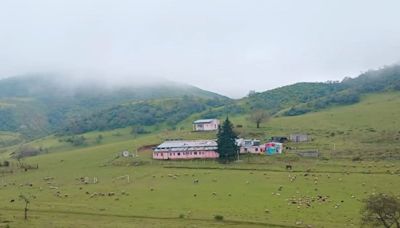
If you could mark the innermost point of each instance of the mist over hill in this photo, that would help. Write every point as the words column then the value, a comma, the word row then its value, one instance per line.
column 39, row 104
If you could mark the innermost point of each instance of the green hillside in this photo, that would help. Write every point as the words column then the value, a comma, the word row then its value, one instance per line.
column 246, row 193
column 38, row 105
column 301, row 98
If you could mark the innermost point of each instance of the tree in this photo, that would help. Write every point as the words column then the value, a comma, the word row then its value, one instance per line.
column 227, row 148
column 259, row 116
column 26, row 200
column 99, row 138
column 381, row 209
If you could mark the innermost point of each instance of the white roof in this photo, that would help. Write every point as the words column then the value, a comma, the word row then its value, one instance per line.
column 184, row 145
column 204, row 121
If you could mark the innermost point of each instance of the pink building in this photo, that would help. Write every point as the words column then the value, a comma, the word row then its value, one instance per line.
column 206, row 125
column 180, row 149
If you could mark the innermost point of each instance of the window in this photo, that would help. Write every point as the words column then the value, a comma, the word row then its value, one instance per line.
column 179, row 154
column 256, row 149
column 195, row 153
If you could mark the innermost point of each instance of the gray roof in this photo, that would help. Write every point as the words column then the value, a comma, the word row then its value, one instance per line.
column 185, row 145
column 203, row 121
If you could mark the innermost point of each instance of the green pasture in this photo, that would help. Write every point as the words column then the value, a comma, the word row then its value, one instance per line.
column 256, row 191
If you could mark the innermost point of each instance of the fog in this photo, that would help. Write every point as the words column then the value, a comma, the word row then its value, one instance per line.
column 225, row 46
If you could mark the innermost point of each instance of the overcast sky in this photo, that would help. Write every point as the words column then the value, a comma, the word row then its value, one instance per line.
column 226, row 46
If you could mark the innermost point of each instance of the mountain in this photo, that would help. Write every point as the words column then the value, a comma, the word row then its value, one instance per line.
column 37, row 105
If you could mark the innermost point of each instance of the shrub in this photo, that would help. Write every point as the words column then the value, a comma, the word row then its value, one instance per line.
column 6, row 163
column 219, row 217
column 76, row 140
column 137, row 130
column 323, row 158
column 26, row 151
column 99, row 138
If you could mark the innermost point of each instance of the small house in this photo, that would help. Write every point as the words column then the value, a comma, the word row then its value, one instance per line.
column 206, row 125
column 298, row 137
column 249, row 146
column 186, row 149
column 273, row 148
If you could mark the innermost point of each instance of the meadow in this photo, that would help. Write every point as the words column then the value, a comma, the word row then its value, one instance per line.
column 88, row 185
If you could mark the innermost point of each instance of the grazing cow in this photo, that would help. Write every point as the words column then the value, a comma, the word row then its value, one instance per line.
column 289, row 167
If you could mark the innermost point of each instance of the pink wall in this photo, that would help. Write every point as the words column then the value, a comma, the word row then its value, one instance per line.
column 252, row 149
column 185, row 155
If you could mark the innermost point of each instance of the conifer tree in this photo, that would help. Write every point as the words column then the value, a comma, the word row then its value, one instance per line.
column 227, row 148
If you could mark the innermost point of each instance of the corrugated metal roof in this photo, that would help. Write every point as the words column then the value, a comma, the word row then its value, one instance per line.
column 184, row 145
column 203, row 121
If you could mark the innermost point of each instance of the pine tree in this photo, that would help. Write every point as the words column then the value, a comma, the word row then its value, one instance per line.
column 227, row 148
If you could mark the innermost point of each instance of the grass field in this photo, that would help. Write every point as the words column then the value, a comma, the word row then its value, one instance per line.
column 255, row 192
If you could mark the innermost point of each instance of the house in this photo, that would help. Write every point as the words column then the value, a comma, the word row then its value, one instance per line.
column 279, row 139
column 206, row 125
column 298, row 137
column 186, row 149
column 249, row 146
column 273, row 148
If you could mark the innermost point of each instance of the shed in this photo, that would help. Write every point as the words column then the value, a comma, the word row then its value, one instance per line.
column 298, row 137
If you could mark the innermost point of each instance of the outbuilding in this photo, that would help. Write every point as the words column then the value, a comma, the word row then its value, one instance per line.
column 298, row 137
column 206, row 125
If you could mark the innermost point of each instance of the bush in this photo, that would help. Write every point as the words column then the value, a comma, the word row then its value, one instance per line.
column 99, row 138
column 219, row 217
column 324, row 158
column 6, row 163
column 76, row 140
column 137, row 130
column 26, row 151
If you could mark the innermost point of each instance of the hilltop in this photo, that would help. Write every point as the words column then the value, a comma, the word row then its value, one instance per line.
column 39, row 105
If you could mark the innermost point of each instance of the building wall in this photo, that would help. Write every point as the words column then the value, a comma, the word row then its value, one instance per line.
column 184, row 155
column 212, row 126
column 273, row 148
column 298, row 138
column 252, row 149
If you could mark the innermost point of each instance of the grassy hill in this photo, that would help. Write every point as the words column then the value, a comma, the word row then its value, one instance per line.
column 39, row 105
column 246, row 193
column 301, row 98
